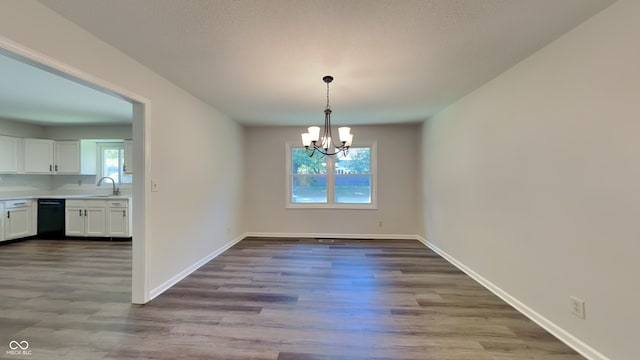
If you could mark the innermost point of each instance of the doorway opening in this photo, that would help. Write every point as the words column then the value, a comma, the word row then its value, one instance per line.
column 140, row 124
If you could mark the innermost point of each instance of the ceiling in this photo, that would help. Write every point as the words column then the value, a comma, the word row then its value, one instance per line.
column 262, row 62
column 30, row 93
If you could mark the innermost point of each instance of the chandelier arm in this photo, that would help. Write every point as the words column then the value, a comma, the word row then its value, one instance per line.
column 323, row 145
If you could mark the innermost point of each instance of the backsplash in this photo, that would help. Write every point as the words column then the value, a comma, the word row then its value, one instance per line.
column 11, row 184
column 36, row 185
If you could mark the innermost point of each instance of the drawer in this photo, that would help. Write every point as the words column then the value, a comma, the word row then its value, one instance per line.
column 12, row 204
column 118, row 203
column 86, row 203
column 95, row 203
column 74, row 203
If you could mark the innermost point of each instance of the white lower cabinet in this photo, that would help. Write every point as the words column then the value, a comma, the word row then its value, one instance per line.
column 98, row 218
column 18, row 216
column 86, row 218
column 118, row 219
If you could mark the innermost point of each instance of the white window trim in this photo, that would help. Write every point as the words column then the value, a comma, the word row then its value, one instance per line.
column 100, row 146
column 331, row 180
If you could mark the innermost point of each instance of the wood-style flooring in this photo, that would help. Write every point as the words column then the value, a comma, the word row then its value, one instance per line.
column 261, row 299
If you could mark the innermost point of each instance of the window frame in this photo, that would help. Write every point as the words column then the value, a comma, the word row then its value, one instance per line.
column 331, row 176
column 100, row 148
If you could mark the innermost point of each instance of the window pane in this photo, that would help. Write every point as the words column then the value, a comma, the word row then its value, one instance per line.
column 357, row 161
column 111, row 164
column 308, row 189
column 353, row 189
column 303, row 164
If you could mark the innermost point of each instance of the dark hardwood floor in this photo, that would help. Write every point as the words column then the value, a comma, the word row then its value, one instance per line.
column 262, row 299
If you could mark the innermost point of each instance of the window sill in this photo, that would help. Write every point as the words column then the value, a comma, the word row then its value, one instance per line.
column 332, row 206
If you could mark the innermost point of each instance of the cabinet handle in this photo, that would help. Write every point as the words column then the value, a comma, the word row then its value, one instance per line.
column 19, row 203
column 85, row 212
column 50, row 168
column 124, row 168
column 8, row 214
column 124, row 213
column 56, row 167
column 80, row 212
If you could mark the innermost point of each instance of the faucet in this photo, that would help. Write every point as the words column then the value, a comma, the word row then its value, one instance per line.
column 116, row 190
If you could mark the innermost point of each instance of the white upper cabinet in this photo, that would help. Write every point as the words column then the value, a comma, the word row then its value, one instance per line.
column 127, row 168
column 8, row 154
column 67, row 159
column 38, row 156
column 42, row 156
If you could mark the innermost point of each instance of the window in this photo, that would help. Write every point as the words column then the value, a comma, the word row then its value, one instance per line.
column 111, row 162
column 331, row 182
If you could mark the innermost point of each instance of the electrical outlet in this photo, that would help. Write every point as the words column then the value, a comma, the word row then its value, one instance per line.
column 577, row 307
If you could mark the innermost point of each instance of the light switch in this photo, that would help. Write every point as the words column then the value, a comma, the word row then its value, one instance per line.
column 155, row 185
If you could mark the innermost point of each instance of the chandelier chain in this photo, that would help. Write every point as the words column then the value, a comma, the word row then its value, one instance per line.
column 328, row 106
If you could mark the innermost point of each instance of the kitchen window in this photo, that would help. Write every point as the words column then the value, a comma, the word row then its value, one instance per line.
column 111, row 162
column 344, row 181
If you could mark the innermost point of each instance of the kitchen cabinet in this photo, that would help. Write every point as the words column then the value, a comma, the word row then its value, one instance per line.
column 67, row 157
column 1, row 221
column 8, row 154
column 118, row 219
column 86, row 218
column 38, row 156
column 18, row 219
column 42, row 156
column 127, row 168
column 88, row 157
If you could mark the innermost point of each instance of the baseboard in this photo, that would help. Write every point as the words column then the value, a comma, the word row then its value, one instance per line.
column 333, row 236
column 186, row 272
column 562, row 335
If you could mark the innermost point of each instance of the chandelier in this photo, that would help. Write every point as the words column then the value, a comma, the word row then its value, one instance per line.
column 324, row 144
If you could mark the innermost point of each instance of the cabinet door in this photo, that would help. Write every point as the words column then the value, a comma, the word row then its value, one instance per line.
column 38, row 156
column 96, row 222
column 8, row 154
column 118, row 222
column 127, row 168
column 17, row 223
column 67, row 157
column 2, row 222
column 74, row 221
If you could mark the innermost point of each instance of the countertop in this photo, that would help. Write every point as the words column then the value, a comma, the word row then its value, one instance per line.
column 75, row 196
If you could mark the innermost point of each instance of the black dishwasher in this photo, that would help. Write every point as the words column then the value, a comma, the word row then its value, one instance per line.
column 51, row 218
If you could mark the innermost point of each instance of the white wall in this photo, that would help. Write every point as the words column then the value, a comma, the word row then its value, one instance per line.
column 533, row 182
column 20, row 129
column 27, row 130
column 195, row 152
column 88, row 132
column 398, row 185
